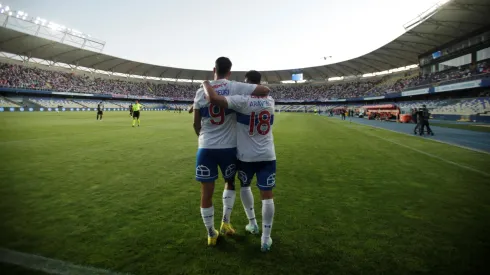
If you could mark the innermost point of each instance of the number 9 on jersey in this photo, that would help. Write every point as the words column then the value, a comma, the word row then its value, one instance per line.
column 217, row 114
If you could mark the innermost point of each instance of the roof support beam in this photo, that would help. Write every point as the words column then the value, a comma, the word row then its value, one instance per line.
column 162, row 73
column 120, row 63
column 278, row 76
column 395, row 57
column 149, row 69
column 12, row 39
column 36, row 48
column 177, row 76
column 446, row 25
column 138, row 65
column 380, row 61
column 337, row 72
column 402, row 50
column 429, row 36
column 307, row 75
column 265, row 77
column 481, row 9
column 85, row 57
column 349, row 67
column 320, row 72
column 404, row 43
column 70, row 51
column 93, row 65
column 358, row 61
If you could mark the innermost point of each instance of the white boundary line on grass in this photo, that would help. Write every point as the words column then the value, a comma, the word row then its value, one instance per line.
column 47, row 265
column 433, row 156
column 417, row 136
column 422, row 152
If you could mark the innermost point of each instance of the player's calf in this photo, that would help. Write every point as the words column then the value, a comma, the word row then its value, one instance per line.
column 207, row 211
column 229, row 196
column 268, row 210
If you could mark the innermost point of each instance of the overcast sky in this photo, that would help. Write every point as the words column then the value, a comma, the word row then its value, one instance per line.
column 254, row 34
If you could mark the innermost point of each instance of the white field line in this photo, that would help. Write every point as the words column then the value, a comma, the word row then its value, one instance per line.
column 432, row 139
column 425, row 153
column 47, row 265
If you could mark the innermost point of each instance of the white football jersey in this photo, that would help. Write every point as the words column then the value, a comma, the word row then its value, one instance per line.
column 218, row 125
column 255, row 117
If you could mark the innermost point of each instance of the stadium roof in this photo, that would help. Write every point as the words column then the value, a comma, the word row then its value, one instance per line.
column 453, row 20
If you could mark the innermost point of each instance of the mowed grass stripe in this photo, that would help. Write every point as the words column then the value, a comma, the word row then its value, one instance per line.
column 346, row 203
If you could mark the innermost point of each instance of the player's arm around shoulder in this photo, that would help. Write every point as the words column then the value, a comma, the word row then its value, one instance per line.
column 261, row 90
column 251, row 89
column 213, row 97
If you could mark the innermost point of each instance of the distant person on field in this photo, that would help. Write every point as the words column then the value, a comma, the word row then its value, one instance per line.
column 136, row 113
column 425, row 115
column 100, row 110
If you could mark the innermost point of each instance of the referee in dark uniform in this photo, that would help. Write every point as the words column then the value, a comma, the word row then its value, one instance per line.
column 100, row 110
column 425, row 121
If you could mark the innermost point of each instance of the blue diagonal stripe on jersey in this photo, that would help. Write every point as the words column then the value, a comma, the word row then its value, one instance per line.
column 205, row 111
column 245, row 119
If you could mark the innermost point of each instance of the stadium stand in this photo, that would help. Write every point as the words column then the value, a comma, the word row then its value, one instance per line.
column 7, row 103
column 467, row 106
column 55, row 102
column 19, row 76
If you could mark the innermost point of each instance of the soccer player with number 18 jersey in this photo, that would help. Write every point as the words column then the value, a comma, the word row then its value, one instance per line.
column 216, row 128
column 255, row 151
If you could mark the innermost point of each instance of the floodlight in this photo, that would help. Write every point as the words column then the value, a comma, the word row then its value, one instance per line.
column 25, row 14
column 0, row 5
column 10, row 13
column 7, row 8
column 1, row 11
column 20, row 12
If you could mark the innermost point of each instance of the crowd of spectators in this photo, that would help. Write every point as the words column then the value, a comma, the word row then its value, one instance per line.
column 19, row 76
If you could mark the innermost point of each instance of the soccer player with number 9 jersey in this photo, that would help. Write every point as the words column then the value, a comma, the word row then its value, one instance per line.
column 256, row 153
column 216, row 128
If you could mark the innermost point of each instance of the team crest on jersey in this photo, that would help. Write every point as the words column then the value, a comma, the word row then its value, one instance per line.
column 203, row 171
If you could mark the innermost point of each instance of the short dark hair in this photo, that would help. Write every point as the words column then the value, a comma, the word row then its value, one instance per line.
column 222, row 66
column 253, row 77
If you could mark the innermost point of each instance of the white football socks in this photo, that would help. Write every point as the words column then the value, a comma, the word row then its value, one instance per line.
column 208, row 219
column 228, row 202
column 267, row 218
column 248, row 204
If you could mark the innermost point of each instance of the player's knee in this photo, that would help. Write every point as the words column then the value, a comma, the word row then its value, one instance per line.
column 244, row 183
column 230, row 184
column 266, row 194
column 207, row 189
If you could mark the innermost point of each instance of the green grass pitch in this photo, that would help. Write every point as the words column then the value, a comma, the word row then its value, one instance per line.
column 350, row 199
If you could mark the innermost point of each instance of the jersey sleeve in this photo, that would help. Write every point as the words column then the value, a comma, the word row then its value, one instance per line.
column 198, row 96
column 237, row 102
column 240, row 88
